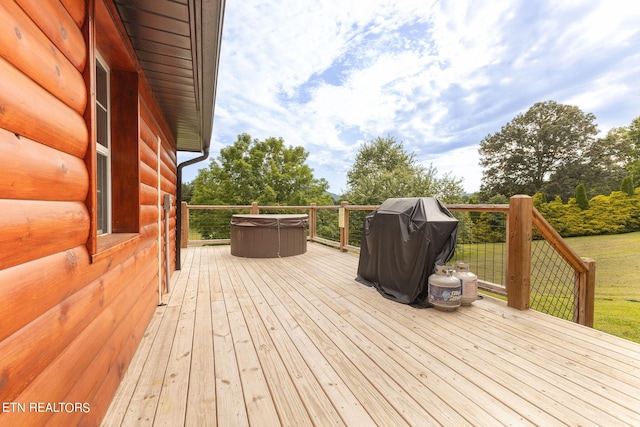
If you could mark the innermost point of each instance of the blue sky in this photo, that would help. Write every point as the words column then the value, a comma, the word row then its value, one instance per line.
column 438, row 76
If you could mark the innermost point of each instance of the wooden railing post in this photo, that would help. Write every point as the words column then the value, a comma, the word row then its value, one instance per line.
column 343, row 223
column 519, row 232
column 312, row 221
column 585, row 294
column 254, row 208
column 184, row 227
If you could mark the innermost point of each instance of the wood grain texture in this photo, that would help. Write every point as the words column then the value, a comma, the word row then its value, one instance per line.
column 52, row 18
column 29, row 110
column 125, row 193
column 148, row 175
column 71, row 321
column 148, row 195
column 90, row 158
column 149, row 215
column 147, row 153
column 112, row 362
column 28, row 49
column 168, row 186
column 35, row 229
column 168, row 155
column 111, row 39
column 149, row 231
column 104, row 390
column 30, row 350
column 147, row 134
column 72, row 366
column 518, row 271
column 30, row 170
column 330, row 349
column 30, row 289
column 75, row 8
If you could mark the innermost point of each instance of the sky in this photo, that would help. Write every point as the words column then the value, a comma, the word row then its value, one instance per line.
column 439, row 76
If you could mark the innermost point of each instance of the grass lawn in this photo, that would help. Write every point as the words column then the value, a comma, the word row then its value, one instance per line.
column 617, row 297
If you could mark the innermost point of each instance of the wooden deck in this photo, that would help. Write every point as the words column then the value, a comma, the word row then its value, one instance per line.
column 296, row 341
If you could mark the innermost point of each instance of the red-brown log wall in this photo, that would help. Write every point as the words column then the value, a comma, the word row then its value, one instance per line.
column 69, row 322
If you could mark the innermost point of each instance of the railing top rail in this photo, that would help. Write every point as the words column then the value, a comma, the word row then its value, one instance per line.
column 270, row 207
column 219, row 207
column 274, row 207
column 479, row 208
column 457, row 207
column 361, row 207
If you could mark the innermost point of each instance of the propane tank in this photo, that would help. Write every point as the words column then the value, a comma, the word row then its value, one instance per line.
column 444, row 289
column 468, row 283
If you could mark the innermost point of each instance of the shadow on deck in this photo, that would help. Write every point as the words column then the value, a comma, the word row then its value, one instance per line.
column 296, row 341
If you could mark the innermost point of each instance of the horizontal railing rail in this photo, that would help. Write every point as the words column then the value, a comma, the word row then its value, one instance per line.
column 498, row 239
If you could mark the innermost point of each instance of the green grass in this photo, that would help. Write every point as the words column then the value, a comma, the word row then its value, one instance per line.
column 617, row 294
column 617, row 264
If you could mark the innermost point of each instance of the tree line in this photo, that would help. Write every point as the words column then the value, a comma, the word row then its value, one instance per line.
column 553, row 148
column 551, row 152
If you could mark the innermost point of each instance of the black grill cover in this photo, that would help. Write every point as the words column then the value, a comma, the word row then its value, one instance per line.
column 402, row 241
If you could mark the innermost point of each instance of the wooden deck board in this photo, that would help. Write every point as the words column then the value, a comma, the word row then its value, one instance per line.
column 201, row 397
column 296, row 341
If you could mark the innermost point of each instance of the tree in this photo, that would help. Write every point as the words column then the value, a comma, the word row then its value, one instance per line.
column 250, row 170
column 263, row 171
column 607, row 161
column 187, row 191
column 530, row 149
column 631, row 136
column 627, row 186
column 581, row 197
column 383, row 169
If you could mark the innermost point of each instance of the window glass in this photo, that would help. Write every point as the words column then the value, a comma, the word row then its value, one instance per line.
column 102, row 102
column 103, row 192
column 103, row 161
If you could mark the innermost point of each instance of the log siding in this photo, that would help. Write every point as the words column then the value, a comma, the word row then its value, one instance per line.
column 71, row 317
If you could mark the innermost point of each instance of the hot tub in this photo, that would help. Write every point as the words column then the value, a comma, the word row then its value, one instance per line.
column 268, row 235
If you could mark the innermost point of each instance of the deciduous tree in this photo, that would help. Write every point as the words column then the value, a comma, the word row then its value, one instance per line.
column 267, row 172
column 383, row 169
column 529, row 150
column 264, row 171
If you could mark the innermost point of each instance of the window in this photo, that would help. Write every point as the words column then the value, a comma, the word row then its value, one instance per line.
column 116, row 187
column 113, row 121
column 103, row 150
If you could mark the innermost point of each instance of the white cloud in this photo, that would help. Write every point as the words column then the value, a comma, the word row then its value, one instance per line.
column 437, row 75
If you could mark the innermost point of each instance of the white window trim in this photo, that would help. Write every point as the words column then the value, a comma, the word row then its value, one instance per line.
column 106, row 151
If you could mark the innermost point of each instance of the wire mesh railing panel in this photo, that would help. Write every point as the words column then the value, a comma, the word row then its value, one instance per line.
column 274, row 210
column 327, row 224
column 356, row 226
column 481, row 242
column 553, row 289
column 211, row 224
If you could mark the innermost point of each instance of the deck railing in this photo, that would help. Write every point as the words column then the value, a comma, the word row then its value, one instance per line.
column 511, row 247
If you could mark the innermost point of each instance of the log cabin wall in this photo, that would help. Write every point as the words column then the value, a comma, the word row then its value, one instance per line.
column 74, row 305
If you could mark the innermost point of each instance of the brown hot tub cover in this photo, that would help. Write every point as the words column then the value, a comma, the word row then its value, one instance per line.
column 402, row 241
column 268, row 235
